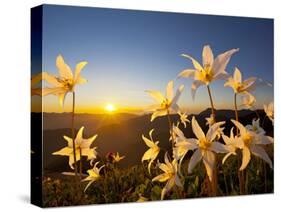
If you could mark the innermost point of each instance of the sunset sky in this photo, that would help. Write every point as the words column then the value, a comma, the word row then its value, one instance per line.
column 129, row 52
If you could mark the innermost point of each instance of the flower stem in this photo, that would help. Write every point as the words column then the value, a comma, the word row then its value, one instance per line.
column 240, row 173
column 214, row 182
column 236, row 110
column 211, row 101
column 171, row 128
column 81, row 168
column 73, row 135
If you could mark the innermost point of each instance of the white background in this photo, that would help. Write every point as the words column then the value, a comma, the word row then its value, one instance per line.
column 15, row 106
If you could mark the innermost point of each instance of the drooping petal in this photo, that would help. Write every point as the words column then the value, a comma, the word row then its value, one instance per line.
column 195, row 85
column 207, row 56
column 177, row 96
column 209, row 162
column 158, row 113
column 195, row 63
column 54, row 91
column 261, row 153
column 194, row 160
column 246, row 158
column 88, row 185
column 226, row 156
column 78, row 69
column 197, row 129
column 64, row 69
column 62, row 98
column 187, row 73
column 170, row 90
column 167, row 188
column 222, row 60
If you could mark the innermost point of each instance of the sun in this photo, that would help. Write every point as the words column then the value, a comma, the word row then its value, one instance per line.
column 110, row 108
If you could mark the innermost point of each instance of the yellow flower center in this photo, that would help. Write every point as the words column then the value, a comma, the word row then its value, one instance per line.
column 165, row 104
column 247, row 139
column 207, row 73
column 238, row 87
column 67, row 84
column 204, row 144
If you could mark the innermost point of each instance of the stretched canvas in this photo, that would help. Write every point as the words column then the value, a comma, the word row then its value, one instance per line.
column 136, row 106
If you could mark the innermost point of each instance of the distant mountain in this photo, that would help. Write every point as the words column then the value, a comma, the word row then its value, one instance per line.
column 90, row 121
column 125, row 136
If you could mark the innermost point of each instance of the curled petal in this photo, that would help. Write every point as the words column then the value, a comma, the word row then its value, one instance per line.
column 158, row 113
column 195, row 85
column 195, row 63
column 78, row 69
column 246, row 158
column 222, row 60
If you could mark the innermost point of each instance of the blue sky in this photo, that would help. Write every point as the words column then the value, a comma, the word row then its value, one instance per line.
column 132, row 51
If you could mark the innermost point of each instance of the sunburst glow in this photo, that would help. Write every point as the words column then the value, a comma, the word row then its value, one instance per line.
column 110, row 107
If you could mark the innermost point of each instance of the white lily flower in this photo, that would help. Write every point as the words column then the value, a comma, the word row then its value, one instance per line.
column 210, row 120
column 170, row 170
column 94, row 175
column 167, row 104
column 255, row 127
column 206, row 147
column 182, row 146
column 238, row 85
column 183, row 118
column 269, row 111
column 252, row 145
column 117, row 157
column 81, row 144
column 232, row 143
column 66, row 82
column 153, row 151
column 248, row 100
column 212, row 69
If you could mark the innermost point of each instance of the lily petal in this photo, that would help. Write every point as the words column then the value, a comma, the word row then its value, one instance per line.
column 169, row 90
column 207, row 56
column 187, row 73
column 261, row 153
column 209, row 162
column 197, row 129
column 64, row 69
column 194, row 160
column 195, row 85
column 222, row 60
column 158, row 97
column 158, row 113
column 246, row 158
